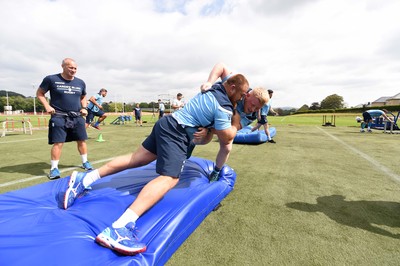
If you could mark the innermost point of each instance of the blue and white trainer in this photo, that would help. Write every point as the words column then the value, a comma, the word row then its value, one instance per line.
column 54, row 174
column 122, row 240
column 87, row 166
column 75, row 188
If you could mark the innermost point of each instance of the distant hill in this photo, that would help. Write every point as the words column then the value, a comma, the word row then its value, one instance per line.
column 10, row 94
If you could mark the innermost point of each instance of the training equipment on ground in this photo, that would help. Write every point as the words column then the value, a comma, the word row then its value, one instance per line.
column 331, row 123
column 245, row 136
column 10, row 126
column 121, row 120
column 378, row 122
column 100, row 138
column 36, row 230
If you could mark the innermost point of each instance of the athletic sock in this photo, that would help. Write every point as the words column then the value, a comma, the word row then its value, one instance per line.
column 128, row 216
column 84, row 158
column 91, row 177
column 54, row 164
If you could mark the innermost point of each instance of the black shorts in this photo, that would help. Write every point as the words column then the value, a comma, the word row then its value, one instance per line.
column 367, row 116
column 263, row 120
column 170, row 142
column 91, row 115
column 60, row 133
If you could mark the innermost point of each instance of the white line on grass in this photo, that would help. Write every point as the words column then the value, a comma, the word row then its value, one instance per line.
column 40, row 176
column 24, row 140
column 383, row 168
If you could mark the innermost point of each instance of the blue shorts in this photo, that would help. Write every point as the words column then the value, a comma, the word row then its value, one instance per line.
column 170, row 142
column 367, row 116
column 263, row 120
column 91, row 115
column 59, row 133
column 138, row 117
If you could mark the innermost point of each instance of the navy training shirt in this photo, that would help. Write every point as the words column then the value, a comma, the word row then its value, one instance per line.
column 65, row 95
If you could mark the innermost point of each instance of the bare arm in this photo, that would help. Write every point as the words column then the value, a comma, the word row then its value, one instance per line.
column 273, row 111
column 220, row 70
column 202, row 136
column 236, row 121
column 40, row 94
column 175, row 105
column 386, row 117
column 226, row 136
column 226, row 140
column 84, row 105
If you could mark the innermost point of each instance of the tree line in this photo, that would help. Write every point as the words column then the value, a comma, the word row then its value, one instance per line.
column 331, row 102
column 28, row 104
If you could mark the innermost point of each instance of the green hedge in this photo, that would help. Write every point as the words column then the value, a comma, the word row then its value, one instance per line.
column 391, row 108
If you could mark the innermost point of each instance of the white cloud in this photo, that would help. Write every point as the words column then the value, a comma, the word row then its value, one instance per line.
column 304, row 50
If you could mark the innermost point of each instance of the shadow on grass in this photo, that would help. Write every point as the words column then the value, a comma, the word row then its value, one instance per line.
column 366, row 215
column 39, row 168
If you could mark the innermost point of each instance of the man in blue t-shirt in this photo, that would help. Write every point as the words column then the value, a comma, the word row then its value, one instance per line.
column 161, row 109
column 367, row 118
column 262, row 118
column 67, row 106
column 246, row 108
column 95, row 108
column 169, row 143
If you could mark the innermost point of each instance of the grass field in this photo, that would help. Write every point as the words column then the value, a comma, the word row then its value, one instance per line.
column 320, row 196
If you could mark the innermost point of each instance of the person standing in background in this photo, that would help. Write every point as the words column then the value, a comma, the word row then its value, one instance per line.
column 177, row 103
column 138, row 115
column 161, row 109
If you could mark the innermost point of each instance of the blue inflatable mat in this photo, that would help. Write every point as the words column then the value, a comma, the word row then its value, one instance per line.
column 35, row 231
column 245, row 136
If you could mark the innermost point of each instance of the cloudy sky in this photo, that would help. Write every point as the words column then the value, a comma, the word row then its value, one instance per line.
column 304, row 50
